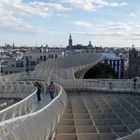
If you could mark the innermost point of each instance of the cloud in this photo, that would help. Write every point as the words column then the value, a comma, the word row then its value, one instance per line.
column 135, row 34
column 133, row 15
column 12, row 23
column 123, row 4
column 101, row 2
column 92, row 5
column 118, row 26
column 13, row 12
column 83, row 24
column 9, row 22
column 81, row 4
column 54, row 6
column 112, row 30
column 34, row 8
column 106, row 26
column 102, row 34
column 113, row 4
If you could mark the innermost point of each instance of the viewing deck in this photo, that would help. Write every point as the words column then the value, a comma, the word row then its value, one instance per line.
column 99, row 109
column 99, row 116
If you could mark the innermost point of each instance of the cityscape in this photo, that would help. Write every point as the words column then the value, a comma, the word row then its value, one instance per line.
column 69, row 70
column 24, row 59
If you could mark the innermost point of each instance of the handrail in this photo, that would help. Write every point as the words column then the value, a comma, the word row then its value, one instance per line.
column 22, row 107
column 42, row 122
column 101, row 85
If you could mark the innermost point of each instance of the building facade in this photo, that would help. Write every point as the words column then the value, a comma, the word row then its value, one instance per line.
column 28, row 60
column 134, row 63
column 117, row 65
column 13, row 65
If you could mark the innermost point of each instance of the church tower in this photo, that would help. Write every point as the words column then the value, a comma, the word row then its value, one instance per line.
column 70, row 42
column 134, row 63
column 13, row 45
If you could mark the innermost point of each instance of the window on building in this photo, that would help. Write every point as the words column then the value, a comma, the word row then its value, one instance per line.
column 114, row 63
column 6, row 72
column 110, row 63
column 136, row 69
column 33, row 63
column 21, row 64
column 105, row 62
column 135, row 56
column 118, row 64
column 44, row 57
column 13, row 65
column 17, row 64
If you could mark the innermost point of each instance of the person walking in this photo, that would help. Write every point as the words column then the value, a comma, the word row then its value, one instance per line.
column 51, row 90
column 38, row 91
column 110, row 86
column 134, row 83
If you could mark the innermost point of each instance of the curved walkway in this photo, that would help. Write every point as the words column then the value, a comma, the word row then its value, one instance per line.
column 45, row 99
column 30, row 119
column 39, row 120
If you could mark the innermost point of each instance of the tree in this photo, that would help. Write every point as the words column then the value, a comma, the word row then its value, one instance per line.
column 100, row 71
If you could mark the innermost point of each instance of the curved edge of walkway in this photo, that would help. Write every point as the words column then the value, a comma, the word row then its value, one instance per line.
column 36, row 125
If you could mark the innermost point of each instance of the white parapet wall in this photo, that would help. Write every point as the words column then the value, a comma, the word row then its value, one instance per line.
column 24, row 92
column 107, row 85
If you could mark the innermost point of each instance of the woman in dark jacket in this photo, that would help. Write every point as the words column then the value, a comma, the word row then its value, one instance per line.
column 38, row 91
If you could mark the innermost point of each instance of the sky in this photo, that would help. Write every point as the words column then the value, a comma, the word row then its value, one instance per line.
column 109, row 23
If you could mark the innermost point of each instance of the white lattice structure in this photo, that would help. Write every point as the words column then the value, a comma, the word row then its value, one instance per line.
column 27, row 120
column 21, row 121
column 65, row 67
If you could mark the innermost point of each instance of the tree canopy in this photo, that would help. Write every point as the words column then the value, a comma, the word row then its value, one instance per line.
column 100, row 71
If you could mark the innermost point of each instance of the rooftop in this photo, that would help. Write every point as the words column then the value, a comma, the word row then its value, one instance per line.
column 99, row 109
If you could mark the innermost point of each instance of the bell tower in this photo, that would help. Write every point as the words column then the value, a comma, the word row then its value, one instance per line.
column 70, row 42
